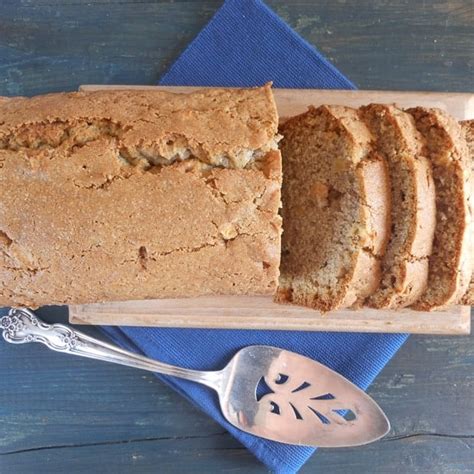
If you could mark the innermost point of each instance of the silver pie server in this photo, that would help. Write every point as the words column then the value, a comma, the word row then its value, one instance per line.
column 266, row 391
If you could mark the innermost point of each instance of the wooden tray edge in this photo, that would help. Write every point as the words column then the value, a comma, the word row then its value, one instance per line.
column 260, row 313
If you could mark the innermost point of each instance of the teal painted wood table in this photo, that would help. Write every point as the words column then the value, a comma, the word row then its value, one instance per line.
column 61, row 414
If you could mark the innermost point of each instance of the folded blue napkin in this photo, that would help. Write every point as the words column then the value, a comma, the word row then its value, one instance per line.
column 246, row 44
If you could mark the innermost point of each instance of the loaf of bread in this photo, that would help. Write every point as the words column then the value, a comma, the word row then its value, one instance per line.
column 336, row 198
column 405, row 264
column 450, row 265
column 123, row 195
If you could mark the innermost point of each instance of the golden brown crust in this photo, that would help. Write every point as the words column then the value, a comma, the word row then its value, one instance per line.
column 450, row 264
column 405, row 264
column 81, row 221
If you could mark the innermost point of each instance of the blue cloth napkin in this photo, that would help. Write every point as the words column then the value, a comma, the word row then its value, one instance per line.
column 246, row 44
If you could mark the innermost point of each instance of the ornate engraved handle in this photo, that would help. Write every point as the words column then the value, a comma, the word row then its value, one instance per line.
column 22, row 326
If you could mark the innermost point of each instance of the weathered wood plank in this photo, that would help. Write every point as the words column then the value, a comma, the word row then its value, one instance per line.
column 222, row 454
column 52, row 45
column 49, row 400
column 390, row 44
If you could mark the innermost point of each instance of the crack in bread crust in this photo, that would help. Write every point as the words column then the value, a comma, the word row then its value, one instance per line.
column 102, row 201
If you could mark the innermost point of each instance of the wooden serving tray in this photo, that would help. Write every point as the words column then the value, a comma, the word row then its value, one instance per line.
column 259, row 312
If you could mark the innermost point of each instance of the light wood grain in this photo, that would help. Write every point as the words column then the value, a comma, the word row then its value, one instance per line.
column 260, row 312
column 294, row 101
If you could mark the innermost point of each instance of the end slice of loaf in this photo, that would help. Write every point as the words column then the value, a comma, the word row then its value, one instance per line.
column 468, row 128
column 450, row 264
column 405, row 264
column 335, row 213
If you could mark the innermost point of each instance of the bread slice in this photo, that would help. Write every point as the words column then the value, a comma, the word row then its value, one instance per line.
column 405, row 264
column 450, row 262
column 468, row 128
column 335, row 210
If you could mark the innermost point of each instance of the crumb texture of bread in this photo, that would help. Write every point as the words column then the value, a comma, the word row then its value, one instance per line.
column 335, row 210
column 405, row 264
column 468, row 128
column 122, row 195
column 450, row 264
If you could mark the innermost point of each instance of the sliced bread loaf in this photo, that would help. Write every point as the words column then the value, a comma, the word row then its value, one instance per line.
column 335, row 210
column 405, row 264
column 450, row 264
column 468, row 128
